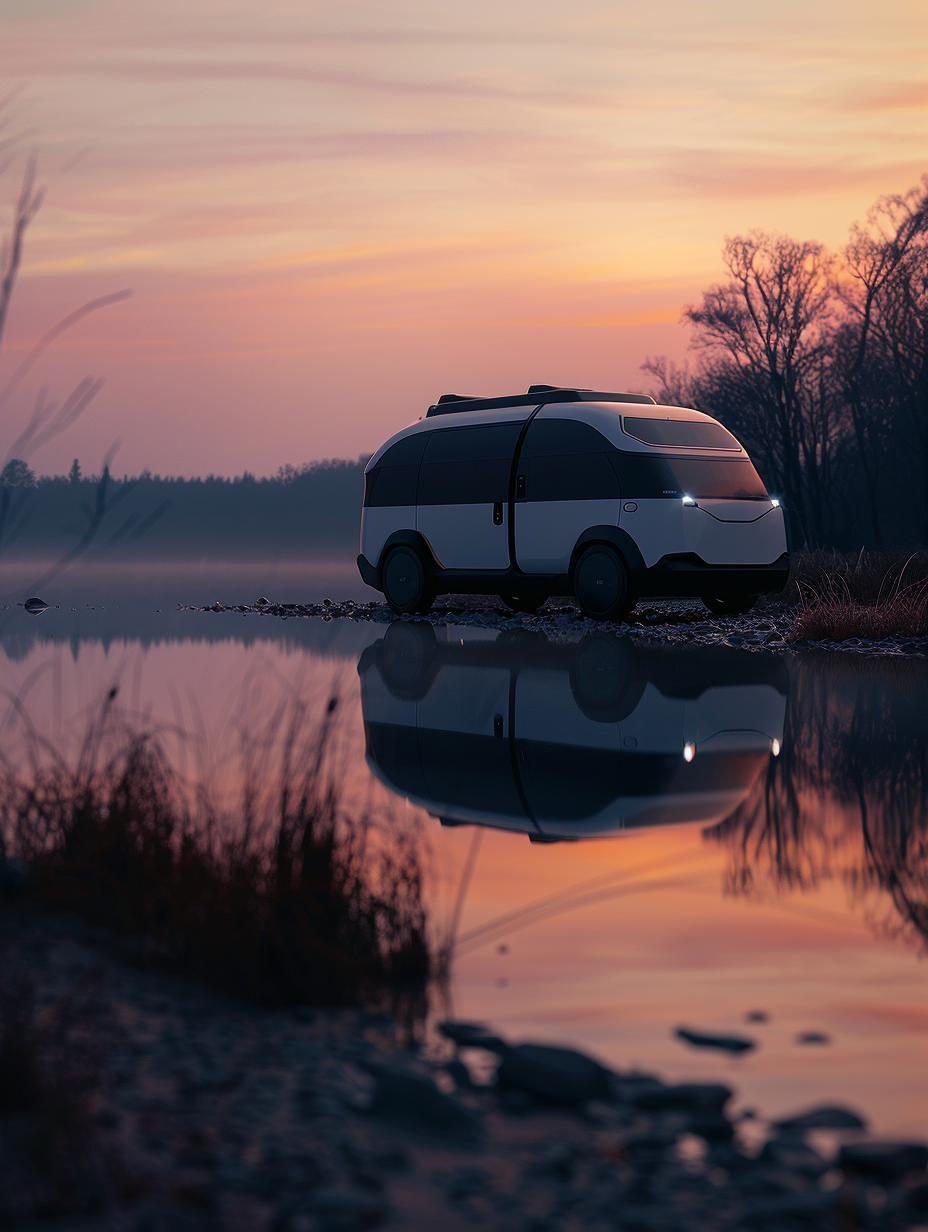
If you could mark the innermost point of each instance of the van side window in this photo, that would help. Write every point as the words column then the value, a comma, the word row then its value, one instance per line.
column 468, row 466
column 566, row 460
column 697, row 434
column 393, row 481
column 643, row 475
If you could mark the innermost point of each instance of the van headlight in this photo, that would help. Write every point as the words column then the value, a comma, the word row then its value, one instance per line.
column 775, row 502
column 688, row 500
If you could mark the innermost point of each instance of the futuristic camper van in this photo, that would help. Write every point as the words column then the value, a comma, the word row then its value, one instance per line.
column 568, row 741
column 604, row 496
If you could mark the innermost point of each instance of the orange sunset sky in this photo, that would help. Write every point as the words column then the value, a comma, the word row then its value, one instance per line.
column 331, row 213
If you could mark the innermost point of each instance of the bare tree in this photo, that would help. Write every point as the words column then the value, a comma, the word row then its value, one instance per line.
column 675, row 383
column 884, row 258
column 766, row 338
column 821, row 366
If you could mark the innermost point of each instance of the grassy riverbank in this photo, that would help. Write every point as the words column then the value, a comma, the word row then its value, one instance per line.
column 873, row 595
column 276, row 898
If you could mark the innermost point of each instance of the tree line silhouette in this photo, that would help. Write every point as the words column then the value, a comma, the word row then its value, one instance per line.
column 309, row 512
column 818, row 362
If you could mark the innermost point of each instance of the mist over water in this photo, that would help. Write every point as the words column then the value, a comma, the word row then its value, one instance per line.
column 715, row 832
column 99, row 602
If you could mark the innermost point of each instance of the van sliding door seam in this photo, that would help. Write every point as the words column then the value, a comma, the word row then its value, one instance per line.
column 513, row 473
column 514, row 753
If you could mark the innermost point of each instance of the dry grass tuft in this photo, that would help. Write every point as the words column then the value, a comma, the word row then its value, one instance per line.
column 284, row 901
column 867, row 576
column 873, row 596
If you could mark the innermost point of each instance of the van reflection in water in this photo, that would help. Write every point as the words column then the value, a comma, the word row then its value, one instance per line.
column 565, row 741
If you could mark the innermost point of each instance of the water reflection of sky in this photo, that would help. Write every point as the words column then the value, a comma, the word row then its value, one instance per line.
column 750, row 832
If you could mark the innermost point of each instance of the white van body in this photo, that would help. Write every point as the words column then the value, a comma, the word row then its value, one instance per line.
column 500, row 494
column 567, row 741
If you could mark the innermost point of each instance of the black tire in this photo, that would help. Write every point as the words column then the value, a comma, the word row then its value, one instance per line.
column 730, row 607
column 406, row 585
column 601, row 584
column 524, row 601
column 408, row 659
column 605, row 679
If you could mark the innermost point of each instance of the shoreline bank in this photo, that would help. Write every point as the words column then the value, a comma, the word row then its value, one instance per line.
column 189, row 1110
column 672, row 622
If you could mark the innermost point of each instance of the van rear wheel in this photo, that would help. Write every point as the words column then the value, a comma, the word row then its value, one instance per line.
column 407, row 659
column 605, row 680
column 601, row 584
column 739, row 606
column 406, row 586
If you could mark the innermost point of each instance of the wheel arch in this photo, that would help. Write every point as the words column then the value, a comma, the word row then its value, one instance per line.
column 410, row 539
column 618, row 539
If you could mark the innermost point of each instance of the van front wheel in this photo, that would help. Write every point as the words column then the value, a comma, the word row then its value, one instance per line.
column 406, row 587
column 601, row 584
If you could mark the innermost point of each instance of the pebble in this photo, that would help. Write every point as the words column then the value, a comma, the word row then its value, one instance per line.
column 725, row 1043
column 884, row 1161
column 414, row 1100
column 472, row 1035
column 792, row 1153
column 459, row 1074
column 684, row 1097
column 552, row 1075
column 828, row 1116
column 813, row 1037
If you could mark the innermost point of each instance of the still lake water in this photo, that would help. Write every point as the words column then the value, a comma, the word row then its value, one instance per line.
column 621, row 841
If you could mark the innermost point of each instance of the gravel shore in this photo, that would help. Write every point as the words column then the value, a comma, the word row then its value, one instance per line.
column 674, row 622
column 174, row 1108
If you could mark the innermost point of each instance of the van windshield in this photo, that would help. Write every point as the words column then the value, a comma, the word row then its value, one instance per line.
column 688, row 433
column 715, row 478
column 649, row 475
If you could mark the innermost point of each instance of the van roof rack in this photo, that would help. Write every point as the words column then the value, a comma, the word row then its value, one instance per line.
column 450, row 404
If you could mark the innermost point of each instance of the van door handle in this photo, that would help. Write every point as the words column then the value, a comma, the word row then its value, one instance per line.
column 498, row 513
column 520, row 486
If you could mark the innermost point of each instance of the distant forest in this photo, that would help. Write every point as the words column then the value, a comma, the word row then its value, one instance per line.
column 310, row 512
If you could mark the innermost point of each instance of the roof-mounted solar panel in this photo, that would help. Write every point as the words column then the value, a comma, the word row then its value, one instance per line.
column 449, row 404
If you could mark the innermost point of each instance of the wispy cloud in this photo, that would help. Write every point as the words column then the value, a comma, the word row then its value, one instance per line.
column 904, row 96
column 713, row 173
column 466, row 188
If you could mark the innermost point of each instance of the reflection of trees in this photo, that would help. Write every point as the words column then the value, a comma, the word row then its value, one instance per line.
column 847, row 796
